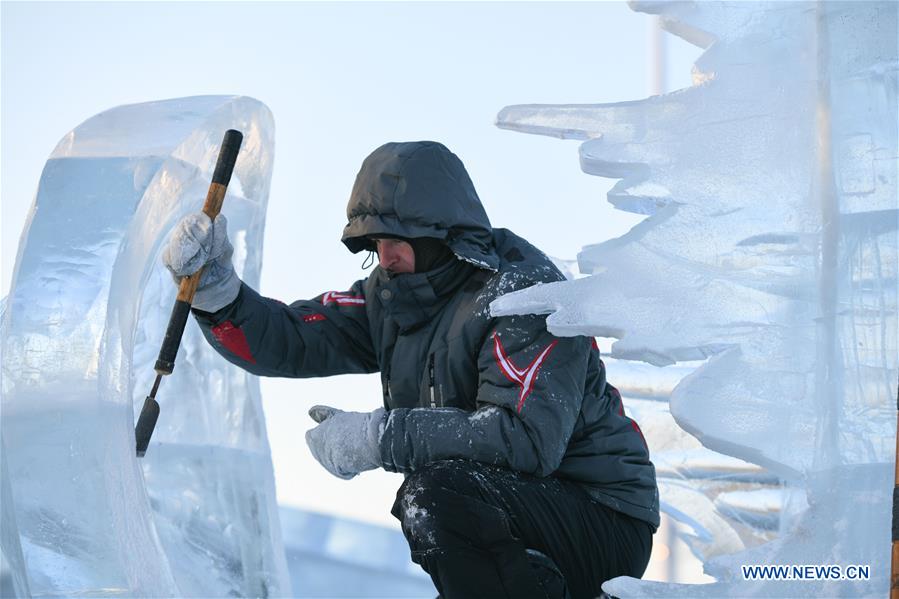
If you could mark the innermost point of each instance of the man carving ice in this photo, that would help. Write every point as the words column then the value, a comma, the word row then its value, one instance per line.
column 523, row 475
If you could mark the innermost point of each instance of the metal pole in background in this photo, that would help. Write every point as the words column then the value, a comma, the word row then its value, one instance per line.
column 658, row 59
column 658, row 84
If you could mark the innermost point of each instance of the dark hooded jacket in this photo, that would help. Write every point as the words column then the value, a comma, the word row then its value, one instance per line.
column 458, row 383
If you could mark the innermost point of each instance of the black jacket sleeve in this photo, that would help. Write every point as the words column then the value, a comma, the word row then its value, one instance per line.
column 530, row 390
column 320, row 337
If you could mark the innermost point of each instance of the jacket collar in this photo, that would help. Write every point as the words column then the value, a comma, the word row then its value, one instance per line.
column 415, row 298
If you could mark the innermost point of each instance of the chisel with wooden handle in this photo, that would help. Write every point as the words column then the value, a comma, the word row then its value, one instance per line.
column 165, row 364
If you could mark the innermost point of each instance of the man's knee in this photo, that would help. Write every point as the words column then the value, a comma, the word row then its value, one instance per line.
column 444, row 504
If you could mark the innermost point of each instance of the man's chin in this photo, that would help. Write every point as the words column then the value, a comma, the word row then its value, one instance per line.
column 396, row 273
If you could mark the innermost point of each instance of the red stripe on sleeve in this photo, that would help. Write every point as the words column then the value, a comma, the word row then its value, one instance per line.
column 636, row 427
column 616, row 394
column 233, row 339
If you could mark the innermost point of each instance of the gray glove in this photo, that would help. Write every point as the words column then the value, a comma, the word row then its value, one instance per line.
column 197, row 242
column 346, row 443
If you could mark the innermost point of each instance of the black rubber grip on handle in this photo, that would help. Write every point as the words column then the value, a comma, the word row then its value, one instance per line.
column 165, row 364
column 224, row 166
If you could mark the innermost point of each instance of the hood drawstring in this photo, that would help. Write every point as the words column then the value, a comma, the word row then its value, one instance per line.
column 369, row 260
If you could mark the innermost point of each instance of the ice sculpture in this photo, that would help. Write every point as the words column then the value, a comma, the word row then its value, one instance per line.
column 87, row 309
column 770, row 249
column 723, row 504
column 13, row 580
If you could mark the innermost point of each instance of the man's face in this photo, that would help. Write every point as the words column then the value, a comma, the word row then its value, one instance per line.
column 395, row 256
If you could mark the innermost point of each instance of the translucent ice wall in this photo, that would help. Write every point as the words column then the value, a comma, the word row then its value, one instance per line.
column 13, row 579
column 769, row 250
column 82, row 325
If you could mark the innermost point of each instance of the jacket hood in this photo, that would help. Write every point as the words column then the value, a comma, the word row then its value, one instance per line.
column 419, row 189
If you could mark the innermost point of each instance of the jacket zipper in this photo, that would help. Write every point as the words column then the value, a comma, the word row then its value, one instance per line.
column 431, row 380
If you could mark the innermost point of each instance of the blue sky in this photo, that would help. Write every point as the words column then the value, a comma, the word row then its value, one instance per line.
column 341, row 79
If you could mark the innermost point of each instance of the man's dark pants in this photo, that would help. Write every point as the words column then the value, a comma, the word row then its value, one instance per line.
column 469, row 525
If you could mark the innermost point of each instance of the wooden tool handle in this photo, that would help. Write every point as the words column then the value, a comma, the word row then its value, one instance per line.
column 215, row 197
column 224, row 167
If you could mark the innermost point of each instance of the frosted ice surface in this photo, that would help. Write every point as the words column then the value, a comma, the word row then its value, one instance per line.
column 849, row 525
column 770, row 250
column 13, row 580
column 83, row 323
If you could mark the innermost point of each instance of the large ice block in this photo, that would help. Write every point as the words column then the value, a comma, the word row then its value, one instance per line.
column 13, row 579
column 84, row 320
column 769, row 250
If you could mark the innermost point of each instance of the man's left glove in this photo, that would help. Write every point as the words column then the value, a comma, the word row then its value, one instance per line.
column 346, row 443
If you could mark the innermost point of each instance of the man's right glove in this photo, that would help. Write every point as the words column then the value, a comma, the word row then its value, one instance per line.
column 196, row 242
column 346, row 443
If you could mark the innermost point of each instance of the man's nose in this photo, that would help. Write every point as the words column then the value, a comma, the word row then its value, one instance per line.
column 386, row 258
